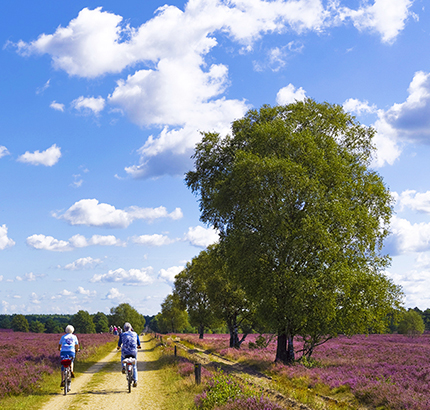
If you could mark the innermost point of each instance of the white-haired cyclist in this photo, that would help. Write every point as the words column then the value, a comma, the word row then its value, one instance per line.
column 129, row 342
column 68, row 346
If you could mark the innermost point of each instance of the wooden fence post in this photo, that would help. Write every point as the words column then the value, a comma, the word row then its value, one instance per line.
column 198, row 372
column 176, row 352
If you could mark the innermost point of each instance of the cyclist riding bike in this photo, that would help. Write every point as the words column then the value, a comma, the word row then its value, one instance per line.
column 129, row 342
column 68, row 346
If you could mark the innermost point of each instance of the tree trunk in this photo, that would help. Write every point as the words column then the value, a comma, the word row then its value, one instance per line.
column 201, row 331
column 234, row 329
column 285, row 348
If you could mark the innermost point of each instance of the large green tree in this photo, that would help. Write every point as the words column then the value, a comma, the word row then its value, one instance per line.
column 124, row 312
column 191, row 287
column 302, row 219
column 83, row 322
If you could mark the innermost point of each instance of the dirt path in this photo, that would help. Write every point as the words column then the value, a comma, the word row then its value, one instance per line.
column 103, row 386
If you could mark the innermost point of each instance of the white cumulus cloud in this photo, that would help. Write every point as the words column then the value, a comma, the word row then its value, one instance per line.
column 5, row 242
column 131, row 276
column 177, row 88
column 49, row 243
column 169, row 274
column 407, row 237
column 86, row 292
column 57, row 106
column 92, row 213
column 3, row 151
column 114, row 294
column 290, row 94
column 89, row 105
column 386, row 17
column 48, row 157
column 358, row 107
column 83, row 263
column 152, row 240
column 202, row 237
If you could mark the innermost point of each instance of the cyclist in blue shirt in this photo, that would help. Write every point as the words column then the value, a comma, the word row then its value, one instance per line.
column 129, row 342
column 68, row 346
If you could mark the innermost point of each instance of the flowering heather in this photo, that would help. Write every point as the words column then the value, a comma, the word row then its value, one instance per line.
column 224, row 393
column 251, row 403
column 381, row 370
column 26, row 357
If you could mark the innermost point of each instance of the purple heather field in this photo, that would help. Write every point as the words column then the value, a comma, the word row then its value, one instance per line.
column 26, row 357
column 390, row 371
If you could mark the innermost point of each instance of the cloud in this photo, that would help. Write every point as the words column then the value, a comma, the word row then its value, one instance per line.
column 290, row 94
column 85, row 292
column 92, row 213
column 3, row 151
column 416, row 201
column 83, row 263
column 411, row 119
column 28, row 277
column 202, row 237
column 34, row 299
column 152, row 240
column 407, row 237
column 48, row 158
column 386, row 17
column 132, row 276
column 57, row 106
column 358, row 107
column 176, row 88
column 114, row 294
column 89, row 105
column 169, row 274
column 45, row 86
column 49, row 243
column 402, row 123
column 5, row 242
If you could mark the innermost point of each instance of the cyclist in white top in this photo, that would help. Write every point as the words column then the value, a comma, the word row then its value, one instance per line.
column 68, row 346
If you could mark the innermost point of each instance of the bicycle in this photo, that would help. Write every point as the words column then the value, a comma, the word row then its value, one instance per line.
column 66, row 363
column 129, row 364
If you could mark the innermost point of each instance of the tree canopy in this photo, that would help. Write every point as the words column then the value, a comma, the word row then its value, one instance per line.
column 83, row 322
column 412, row 324
column 124, row 312
column 302, row 219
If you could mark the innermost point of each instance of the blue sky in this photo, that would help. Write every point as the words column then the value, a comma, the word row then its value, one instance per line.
column 103, row 102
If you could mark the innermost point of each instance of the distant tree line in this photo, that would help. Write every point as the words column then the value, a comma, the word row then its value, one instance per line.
column 82, row 321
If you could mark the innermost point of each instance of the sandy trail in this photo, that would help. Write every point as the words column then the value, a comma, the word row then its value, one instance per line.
column 108, row 389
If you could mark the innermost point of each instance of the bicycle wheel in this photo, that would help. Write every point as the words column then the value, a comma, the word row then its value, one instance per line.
column 66, row 380
column 129, row 377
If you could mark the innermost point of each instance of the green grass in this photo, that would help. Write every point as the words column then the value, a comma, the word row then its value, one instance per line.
column 50, row 384
column 178, row 391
